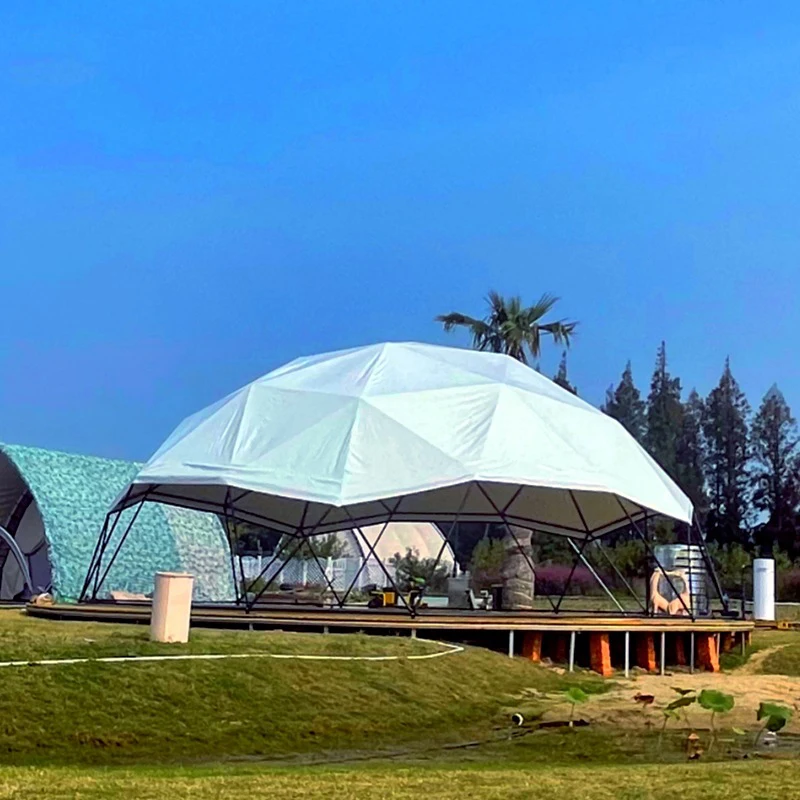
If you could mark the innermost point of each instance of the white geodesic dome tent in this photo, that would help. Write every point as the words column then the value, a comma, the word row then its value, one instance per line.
column 406, row 433
column 396, row 431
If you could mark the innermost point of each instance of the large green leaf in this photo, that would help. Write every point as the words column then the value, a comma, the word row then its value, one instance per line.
column 775, row 724
column 713, row 700
column 682, row 702
column 576, row 695
column 766, row 710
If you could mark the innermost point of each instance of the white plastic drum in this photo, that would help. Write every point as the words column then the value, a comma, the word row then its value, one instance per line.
column 764, row 588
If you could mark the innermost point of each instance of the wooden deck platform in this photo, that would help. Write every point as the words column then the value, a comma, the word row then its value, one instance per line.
column 601, row 642
column 297, row 617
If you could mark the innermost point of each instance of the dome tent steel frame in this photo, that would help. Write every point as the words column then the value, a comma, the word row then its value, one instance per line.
column 105, row 554
column 402, row 432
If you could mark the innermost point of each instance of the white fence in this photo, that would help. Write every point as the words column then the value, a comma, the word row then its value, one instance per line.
column 308, row 572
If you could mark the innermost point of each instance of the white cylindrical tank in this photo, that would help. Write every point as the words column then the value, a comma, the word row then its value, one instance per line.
column 764, row 588
column 172, row 607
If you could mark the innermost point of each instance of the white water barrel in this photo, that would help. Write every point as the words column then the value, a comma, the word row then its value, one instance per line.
column 172, row 607
column 764, row 588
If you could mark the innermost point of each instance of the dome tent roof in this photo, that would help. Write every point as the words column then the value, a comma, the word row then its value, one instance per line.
column 351, row 438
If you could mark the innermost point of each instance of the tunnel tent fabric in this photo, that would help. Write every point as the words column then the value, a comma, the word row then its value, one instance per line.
column 29, row 536
column 324, row 442
column 71, row 494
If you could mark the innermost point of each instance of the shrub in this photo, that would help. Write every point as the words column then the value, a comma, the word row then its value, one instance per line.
column 486, row 565
column 788, row 585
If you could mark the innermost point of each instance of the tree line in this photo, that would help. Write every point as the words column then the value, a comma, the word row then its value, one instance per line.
column 740, row 470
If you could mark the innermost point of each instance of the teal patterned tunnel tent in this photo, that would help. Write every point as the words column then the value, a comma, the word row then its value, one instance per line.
column 54, row 504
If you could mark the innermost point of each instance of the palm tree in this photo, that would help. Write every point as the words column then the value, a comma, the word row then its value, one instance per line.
column 516, row 330
column 511, row 328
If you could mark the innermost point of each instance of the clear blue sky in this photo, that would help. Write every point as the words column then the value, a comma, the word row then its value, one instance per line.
column 192, row 193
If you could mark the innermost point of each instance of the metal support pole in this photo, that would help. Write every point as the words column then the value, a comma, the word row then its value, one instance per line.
column 413, row 633
column 627, row 654
column 504, row 520
column 364, row 561
column 572, row 651
column 656, row 561
column 99, row 582
column 711, row 569
column 572, row 572
column 371, row 550
column 744, row 643
column 602, row 550
column 511, row 644
column 591, row 569
column 691, row 652
column 663, row 652
column 445, row 541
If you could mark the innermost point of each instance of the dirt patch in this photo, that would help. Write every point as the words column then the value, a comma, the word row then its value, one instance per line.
column 748, row 688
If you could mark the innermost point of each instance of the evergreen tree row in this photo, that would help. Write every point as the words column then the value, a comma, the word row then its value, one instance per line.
column 741, row 471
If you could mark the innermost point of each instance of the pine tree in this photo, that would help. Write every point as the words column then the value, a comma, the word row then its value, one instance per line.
column 625, row 404
column 774, row 439
column 728, row 455
column 561, row 376
column 690, row 452
column 664, row 415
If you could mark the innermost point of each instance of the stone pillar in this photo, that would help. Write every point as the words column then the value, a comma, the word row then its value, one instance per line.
column 516, row 571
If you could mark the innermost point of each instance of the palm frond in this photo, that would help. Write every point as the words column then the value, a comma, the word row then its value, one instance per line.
column 541, row 307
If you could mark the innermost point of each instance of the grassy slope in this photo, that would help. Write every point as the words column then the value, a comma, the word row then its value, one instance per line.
column 203, row 713
column 762, row 640
column 153, row 712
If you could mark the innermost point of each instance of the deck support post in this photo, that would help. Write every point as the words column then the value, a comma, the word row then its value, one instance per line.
column 600, row 654
column 511, row 644
column 572, row 651
column 532, row 646
column 707, row 652
column 663, row 652
column 627, row 654
column 691, row 652
column 646, row 652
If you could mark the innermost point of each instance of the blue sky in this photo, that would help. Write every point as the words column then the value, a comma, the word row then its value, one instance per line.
column 192, row 193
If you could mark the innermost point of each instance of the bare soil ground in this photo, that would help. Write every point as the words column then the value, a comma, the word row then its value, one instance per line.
column 748, row 687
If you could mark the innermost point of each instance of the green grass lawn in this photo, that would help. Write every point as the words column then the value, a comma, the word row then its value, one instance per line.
column 201, row 710
column 714, row 781
column 292, row 729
